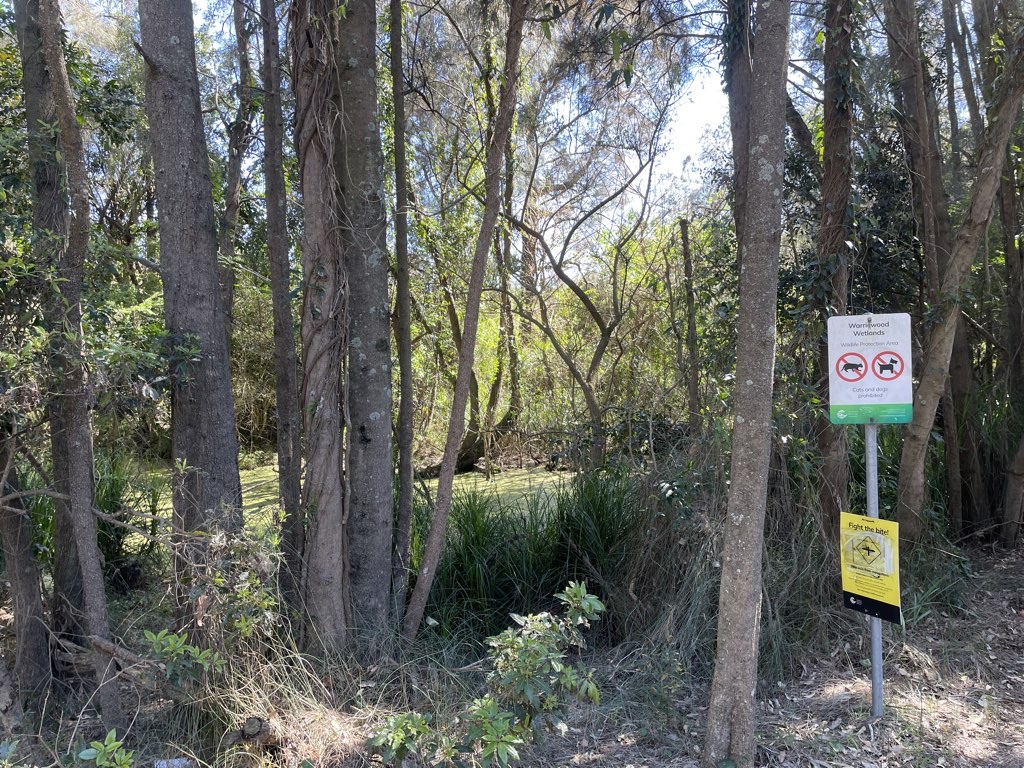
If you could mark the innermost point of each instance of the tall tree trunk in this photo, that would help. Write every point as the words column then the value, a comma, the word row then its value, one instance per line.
column 692, row 358
column 967, row 494
column 456, row 422
column 471, row 449
column 1013, row 503
column 49, row 222
column 506, row 267
column 992, row 155
column 359, row 166
column 239, row 139
column 289, row 434
column 206, row 490
column 403, row 330
column 1014, row 257
column 730, row 730
column 738, row 73
column 70, row 363
column 984, row 20
column 323, row 314
column 951, row 459
column 686, row 362
column 956, row 32
column 920, row 137
column 31, row 643
column 834, row 233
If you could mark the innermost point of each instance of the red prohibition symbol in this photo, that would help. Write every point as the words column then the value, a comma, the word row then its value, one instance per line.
column 851, row 367
column 888, row 365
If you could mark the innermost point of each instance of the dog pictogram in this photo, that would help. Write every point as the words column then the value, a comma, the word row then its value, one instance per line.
column 888, row 365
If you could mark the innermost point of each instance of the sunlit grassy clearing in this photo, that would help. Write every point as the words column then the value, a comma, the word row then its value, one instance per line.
column 259, row 486
column 510, row 486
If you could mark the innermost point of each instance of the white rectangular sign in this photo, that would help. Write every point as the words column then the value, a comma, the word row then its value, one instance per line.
column 869, row 369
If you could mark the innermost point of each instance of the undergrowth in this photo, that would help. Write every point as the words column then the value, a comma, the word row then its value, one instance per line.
column 644, row 539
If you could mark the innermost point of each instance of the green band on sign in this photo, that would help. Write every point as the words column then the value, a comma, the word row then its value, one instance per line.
column 894, row 413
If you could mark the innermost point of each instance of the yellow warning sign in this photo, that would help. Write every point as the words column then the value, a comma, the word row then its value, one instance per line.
column 870, row 556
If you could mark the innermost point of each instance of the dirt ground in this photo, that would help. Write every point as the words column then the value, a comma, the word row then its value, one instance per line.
column 954, row 697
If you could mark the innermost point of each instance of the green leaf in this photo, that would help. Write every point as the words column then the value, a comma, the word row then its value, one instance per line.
column 88, row 754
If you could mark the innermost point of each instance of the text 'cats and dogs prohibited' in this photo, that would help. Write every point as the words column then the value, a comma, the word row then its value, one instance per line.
column 870, row 380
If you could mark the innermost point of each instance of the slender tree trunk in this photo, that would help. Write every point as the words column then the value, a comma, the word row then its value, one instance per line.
column 71, row 363
column 951, row 458
column 49, row 222
column 948, row 22
column 206, row 489
column 834, row 233
column 31, row 641
column 730, row 730
column 400, row 563
column 507, row 318
column 289, row 434
column 1014, row 257
column 911, row 490
column 323, row 330
column 956, row 32
column 736, row 40
column 1009, row 216
column 686, row 362
column 1013, row 504
column 967, row 494
column 359, row 166
column 492, row 204
column 692, row 357
column 985, row 25
column 920, row 135
column 239, row 139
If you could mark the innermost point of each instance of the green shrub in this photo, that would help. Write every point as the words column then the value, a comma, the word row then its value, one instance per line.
column 182, row 662
column 109, row 753
column 528, row 685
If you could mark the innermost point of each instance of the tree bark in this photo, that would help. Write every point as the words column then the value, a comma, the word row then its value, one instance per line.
column 70, row 363
column 687, row 363
column 492, row 205
column 31, row 641
column 206, row 490
column 956, row 32
column 507, row 331
column 984, row 13
column 730, row 730
column 834, row 233
column 400, row 564
column 738, row 72
column 323, row 331
column 692, row 358
column 49, row 223
column 359, row 167
column 289, row 434
column 911, row 490
column 1013, row 504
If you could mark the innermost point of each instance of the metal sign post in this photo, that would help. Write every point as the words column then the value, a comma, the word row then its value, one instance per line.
column 871, row 467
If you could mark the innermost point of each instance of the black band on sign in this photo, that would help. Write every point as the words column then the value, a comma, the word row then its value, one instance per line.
column 875, row 608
